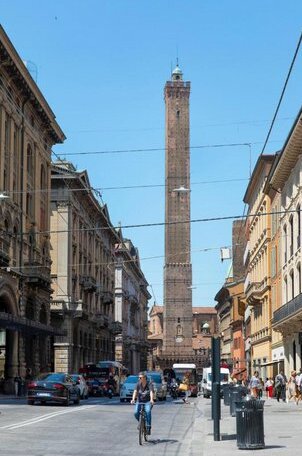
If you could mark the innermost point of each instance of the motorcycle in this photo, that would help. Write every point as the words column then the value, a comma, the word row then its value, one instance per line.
column 174, row 390
column 108, row 390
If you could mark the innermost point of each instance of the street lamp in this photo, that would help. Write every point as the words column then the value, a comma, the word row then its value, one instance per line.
column 181, row 189
column 3, row 196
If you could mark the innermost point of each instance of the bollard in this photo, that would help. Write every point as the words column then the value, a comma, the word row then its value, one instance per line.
column 249, row 423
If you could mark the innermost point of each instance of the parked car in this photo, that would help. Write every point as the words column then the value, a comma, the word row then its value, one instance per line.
column 95, row 387
column 127, row 388
column 82, row 385
column 160, row 386
column 53, row 387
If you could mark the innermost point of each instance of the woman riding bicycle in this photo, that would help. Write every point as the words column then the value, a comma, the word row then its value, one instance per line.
column 144, row 393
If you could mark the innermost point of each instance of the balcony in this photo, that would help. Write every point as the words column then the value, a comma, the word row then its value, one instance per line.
column 37, row 275
column 101, row 321
column 116, row 328
column 255, row 291
column 289, row 313
column 108, row 297
column 61, row 307
column 88, row 283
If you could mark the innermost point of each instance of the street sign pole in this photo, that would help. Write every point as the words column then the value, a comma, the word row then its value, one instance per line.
column 216, row 412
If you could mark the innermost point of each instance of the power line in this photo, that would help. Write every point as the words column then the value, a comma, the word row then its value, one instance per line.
column 282, row 94
column 124, row 187
column 149, row 225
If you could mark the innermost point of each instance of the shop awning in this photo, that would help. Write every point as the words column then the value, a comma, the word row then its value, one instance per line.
column 270, row 363
column 27, row 326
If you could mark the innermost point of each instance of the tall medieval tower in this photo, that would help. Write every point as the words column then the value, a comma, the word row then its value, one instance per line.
column 177, row 321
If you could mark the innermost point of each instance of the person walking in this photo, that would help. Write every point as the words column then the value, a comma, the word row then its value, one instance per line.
column 280, row 386
column 255, row 385
column 291, row 386
column 186, row 382
column 269, row 385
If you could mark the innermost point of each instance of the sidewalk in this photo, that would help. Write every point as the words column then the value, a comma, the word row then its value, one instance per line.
column 282, row 429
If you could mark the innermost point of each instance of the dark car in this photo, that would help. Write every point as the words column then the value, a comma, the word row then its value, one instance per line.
column 53, row 387
column 95, row 387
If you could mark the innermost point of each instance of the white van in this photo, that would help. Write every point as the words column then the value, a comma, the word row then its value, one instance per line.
column 206, row 382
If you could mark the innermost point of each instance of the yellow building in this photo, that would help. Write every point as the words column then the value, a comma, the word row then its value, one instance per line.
column 258, row 281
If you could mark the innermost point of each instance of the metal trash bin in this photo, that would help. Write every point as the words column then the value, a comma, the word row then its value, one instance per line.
column 249, row 423
column 236, row 394
column 226, row 393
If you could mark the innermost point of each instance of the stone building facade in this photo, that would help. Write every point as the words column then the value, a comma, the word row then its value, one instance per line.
column 28, row 130
column 131, row 307
column 83, row 268
column 204, row 326
column 286, row 178
column 258, row 280
column 177, row 318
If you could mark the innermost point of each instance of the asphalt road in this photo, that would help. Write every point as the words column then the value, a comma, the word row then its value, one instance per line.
column 93, row 428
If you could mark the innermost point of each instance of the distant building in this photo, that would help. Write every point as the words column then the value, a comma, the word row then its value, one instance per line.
column 131, row 306
column 204, row 326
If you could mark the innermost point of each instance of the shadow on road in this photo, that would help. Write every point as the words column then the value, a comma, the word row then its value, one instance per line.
column 158, row 441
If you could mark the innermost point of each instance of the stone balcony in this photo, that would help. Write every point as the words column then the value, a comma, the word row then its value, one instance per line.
column 288, row 315
column 107, row 297
column 61, row 307
column 88, row 283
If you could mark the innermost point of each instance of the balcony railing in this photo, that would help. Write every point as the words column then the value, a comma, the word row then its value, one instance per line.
column 288, row 310
column 116, row 327
column 88, row 283
column 107, row 297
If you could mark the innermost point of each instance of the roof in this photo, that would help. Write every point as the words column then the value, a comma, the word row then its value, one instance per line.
column 199, row 310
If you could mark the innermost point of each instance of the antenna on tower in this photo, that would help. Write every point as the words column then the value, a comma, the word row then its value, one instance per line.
column 177, row 54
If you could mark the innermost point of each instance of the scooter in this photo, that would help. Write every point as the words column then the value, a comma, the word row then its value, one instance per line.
column 174, row 390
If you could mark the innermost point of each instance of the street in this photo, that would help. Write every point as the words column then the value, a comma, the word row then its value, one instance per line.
column 95, row 427
column 102, row 427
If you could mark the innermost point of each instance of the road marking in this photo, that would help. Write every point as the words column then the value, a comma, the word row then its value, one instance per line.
column 44, row 417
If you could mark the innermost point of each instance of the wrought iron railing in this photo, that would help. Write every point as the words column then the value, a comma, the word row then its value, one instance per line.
column 288, row 309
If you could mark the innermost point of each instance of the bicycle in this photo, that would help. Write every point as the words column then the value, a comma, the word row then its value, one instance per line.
column 142, row 428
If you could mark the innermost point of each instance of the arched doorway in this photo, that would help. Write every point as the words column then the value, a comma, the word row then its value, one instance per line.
column 9, row 340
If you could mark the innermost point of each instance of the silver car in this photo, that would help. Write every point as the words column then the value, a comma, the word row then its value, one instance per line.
column 81, row 385
column 159, row 385
column 127, row 388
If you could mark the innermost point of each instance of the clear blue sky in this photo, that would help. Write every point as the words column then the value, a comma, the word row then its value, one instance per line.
column 102, row 66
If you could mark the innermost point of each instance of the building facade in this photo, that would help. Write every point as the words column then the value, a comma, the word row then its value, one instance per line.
column 204, row 326
column 258, row 280
column 177, row 318
column 287, row 179
column 131, row 308
column 28, row 130
column 83, row 269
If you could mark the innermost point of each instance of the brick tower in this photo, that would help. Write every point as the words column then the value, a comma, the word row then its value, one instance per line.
column 177, row 318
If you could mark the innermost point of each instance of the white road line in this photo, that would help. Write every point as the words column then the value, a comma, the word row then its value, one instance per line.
column 44, row 417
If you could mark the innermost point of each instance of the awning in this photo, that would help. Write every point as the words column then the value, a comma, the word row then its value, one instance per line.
column 270, row 363
column 25, row 325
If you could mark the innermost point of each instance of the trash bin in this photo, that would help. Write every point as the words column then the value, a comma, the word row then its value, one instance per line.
column 249, row 423
column 236, row 394
column 226, row 393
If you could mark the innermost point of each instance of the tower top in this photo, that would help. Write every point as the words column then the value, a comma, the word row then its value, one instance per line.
column 177, row 74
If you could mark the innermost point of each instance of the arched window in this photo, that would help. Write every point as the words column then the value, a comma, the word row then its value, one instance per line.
column 298, row 226
column 30, row 162
column 292, row 284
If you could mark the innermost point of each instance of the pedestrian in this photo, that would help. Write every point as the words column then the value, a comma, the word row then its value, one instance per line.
column 269, row 385
column 255, row 385
column 280, row 386
column 17, row 381
column 186, row 388
column 291, row 386
column 261, row 388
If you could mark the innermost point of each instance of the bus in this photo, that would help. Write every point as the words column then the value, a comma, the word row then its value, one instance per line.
column 101, row 371
column 183, row 368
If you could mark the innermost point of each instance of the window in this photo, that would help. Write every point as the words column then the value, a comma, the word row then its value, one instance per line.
column 285, row 242
column 299, row 278
column 273, row 261
column 291, row 236
column 43, row 199
column 285, row 289
column 292, row 283
column 298, row 226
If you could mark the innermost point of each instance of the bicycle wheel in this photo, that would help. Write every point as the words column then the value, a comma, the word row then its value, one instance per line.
column 141, row 430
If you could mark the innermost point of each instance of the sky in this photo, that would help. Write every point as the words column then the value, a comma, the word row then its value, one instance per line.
column 102, row 66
